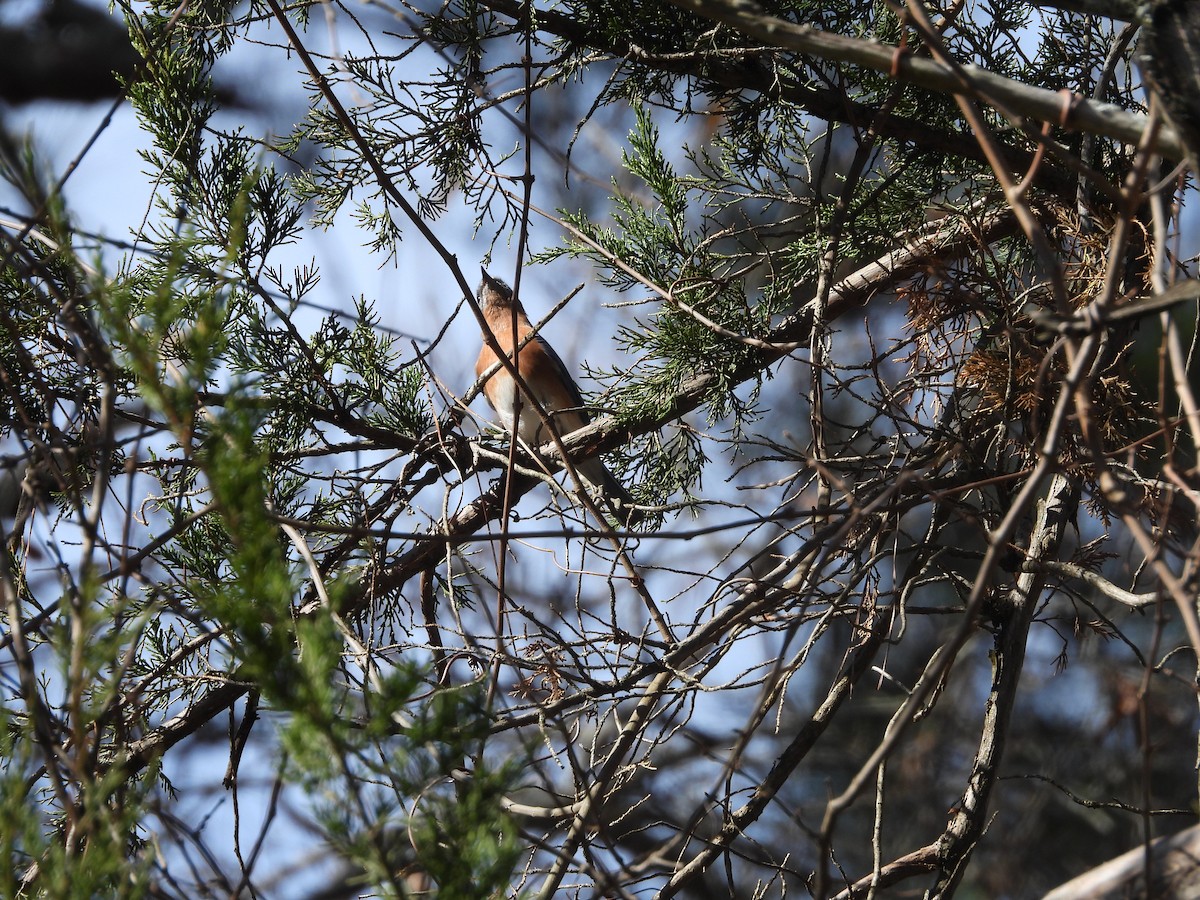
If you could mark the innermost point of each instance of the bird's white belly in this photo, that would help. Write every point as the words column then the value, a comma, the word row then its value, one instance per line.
column 505, row 395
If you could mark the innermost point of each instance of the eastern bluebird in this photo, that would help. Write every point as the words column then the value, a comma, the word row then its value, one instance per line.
column 548, row 380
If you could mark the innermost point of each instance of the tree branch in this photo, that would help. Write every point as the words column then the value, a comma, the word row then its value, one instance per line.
column 1022, row 99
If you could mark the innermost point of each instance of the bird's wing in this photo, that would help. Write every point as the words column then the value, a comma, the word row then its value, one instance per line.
column 564, row 376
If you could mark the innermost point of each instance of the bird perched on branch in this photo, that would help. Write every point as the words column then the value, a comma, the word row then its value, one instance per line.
column 547, row 381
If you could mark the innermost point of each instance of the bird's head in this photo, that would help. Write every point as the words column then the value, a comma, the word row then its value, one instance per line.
column 493, row 292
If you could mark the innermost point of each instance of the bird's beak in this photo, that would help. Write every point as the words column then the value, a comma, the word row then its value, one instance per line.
column 491, row 282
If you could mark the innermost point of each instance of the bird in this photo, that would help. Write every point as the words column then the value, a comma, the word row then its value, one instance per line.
column 548, row 381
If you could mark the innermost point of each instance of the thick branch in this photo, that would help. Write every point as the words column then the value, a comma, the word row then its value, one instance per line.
column 743, row 72
column 966, row 827
column 1175, row 866
column 1121, row 10
column 1014, row 96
